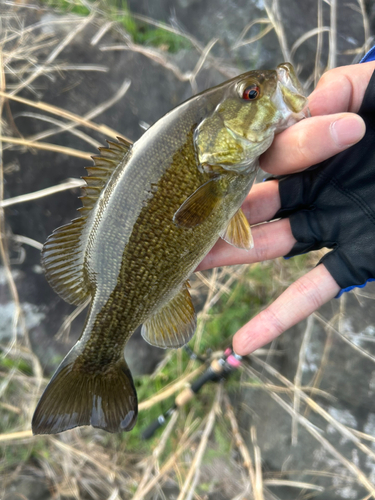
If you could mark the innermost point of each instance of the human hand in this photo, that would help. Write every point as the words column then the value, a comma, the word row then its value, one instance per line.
column 333, row 128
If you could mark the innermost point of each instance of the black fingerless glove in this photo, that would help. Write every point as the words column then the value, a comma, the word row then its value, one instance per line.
column 332, row 205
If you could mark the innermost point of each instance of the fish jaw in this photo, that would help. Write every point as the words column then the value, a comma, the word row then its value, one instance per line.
column 289, row 98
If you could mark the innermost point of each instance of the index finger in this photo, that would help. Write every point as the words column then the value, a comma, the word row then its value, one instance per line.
column 298, row 301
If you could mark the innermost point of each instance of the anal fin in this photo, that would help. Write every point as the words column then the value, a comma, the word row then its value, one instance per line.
column 238, row 232
column 174, row 324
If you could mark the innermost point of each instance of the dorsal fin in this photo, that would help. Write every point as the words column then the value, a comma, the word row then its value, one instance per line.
column 63, row 252
column 62, row 260
column 104, row 165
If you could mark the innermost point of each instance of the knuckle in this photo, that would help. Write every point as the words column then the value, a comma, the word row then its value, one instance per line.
column 273, row 321
column 325, row 78
column 307, row 288
column 261, row 252
column 330, row 75
column 340, row 79
column 263, row 242
column 303, row 148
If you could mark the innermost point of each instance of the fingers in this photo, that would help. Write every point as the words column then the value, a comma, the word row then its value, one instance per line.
column 330, row 130
column 271, row 240
column 311, row 141
column 297, row 302
column 341, row 89
column 262, row 203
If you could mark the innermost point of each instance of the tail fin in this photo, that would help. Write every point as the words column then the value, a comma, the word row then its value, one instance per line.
column 75, row 397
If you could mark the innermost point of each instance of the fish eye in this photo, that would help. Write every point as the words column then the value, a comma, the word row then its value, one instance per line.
column 251, row 92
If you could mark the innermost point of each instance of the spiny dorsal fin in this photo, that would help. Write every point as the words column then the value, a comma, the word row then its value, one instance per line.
column 174, row 324
column 104, row 165
column 64, row 251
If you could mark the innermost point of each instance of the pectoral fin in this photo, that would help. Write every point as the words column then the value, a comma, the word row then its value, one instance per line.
column 199, row 206
column 174, row 324
column 238, row 232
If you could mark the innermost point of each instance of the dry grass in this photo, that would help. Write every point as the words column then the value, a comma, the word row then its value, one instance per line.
column 85, row 464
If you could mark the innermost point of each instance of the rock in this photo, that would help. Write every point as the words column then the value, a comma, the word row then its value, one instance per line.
column 348, row 382
column 27, row 487
column 357, row 326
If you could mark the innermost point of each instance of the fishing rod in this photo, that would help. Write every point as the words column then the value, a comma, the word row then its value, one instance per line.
column 218, row 369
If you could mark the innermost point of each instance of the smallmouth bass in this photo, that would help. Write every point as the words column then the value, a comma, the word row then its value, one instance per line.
column 150, row 213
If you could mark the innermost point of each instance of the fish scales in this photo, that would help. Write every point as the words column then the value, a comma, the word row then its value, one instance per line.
column 151, row 213
column 154, row 234
column 153, row 231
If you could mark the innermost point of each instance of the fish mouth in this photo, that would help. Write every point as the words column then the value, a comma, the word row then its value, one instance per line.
column 288, row 98
column 286, row 76
column 291, row 91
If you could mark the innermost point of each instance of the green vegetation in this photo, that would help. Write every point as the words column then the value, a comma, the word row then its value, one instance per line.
column 12, row 455
column 140, row 32
column 144, row 34
column 247, row 297
column 16, row 363
column 73, row 6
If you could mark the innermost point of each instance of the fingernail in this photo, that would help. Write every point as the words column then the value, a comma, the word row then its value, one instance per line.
column 348, row 130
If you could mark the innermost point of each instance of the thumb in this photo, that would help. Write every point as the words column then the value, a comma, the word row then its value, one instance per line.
column 311, row 141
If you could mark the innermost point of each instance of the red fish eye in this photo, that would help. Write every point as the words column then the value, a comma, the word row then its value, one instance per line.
column 251, row 92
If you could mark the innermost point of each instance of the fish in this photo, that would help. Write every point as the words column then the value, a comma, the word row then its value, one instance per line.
column 150, row 213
